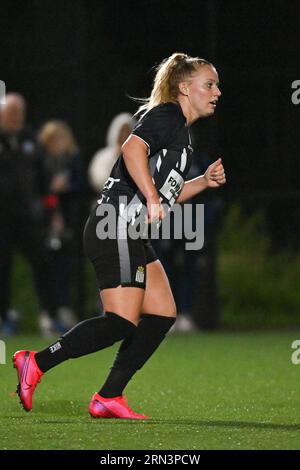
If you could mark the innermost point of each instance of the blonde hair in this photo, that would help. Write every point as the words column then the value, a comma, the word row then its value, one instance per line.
column 170, row 72
column 53, row 129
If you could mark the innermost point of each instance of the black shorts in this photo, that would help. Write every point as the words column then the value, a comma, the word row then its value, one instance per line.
column 117, row 261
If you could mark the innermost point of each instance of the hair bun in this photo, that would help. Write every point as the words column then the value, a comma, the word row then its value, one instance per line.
column 179, row 57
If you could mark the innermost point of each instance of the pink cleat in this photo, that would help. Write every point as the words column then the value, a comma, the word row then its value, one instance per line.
column 116, row 407
column 29, row 375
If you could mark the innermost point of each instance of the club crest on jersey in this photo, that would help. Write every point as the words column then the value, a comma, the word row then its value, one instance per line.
column 140, row 274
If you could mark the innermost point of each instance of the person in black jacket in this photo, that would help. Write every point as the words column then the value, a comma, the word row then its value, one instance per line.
column 21, row 207
column 135, row 292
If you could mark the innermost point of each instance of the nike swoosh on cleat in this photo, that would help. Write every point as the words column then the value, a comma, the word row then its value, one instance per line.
column 24, row 373
column 106, row 409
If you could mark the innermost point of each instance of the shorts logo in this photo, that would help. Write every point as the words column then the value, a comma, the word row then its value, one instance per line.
column 140, row 274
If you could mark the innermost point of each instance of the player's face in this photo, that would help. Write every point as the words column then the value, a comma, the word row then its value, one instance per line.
column 203, row 91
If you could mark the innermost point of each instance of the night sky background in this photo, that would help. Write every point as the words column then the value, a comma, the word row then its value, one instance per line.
column 79, row 61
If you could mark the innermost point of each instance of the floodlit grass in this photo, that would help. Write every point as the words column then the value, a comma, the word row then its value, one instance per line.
column 203, row 391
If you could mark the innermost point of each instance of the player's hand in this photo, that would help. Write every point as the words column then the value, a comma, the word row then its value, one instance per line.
column 215, row 174
column 155, row 210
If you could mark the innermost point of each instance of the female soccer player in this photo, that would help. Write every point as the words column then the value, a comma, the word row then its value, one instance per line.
column 136, row 296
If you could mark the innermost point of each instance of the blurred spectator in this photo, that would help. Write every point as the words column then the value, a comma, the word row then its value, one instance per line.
column 103, row 161
column 64, row 185
column 21, row 209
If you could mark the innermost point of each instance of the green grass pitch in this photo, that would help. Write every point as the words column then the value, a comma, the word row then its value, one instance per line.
column 203, row 391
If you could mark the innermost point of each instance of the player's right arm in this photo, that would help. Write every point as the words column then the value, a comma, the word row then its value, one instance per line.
column 135, row 155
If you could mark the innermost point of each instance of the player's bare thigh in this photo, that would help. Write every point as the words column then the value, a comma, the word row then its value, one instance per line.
column 124, row 301
column 158, row 298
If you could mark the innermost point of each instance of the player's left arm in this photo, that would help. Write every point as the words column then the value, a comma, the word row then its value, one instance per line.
column 214, row 177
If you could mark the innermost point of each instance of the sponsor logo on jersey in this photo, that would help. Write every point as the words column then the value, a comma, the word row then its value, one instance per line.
column 172, row 186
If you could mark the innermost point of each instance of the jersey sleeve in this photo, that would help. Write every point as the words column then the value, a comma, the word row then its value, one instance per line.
column 159, row 126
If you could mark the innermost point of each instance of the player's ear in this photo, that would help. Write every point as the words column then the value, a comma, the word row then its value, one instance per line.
column 183, row 88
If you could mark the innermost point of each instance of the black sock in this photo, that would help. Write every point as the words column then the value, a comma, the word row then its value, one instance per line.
column 85, row 338
column 135, row 351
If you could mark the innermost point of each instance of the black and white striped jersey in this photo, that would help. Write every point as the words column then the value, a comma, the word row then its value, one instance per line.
column 167, row 137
